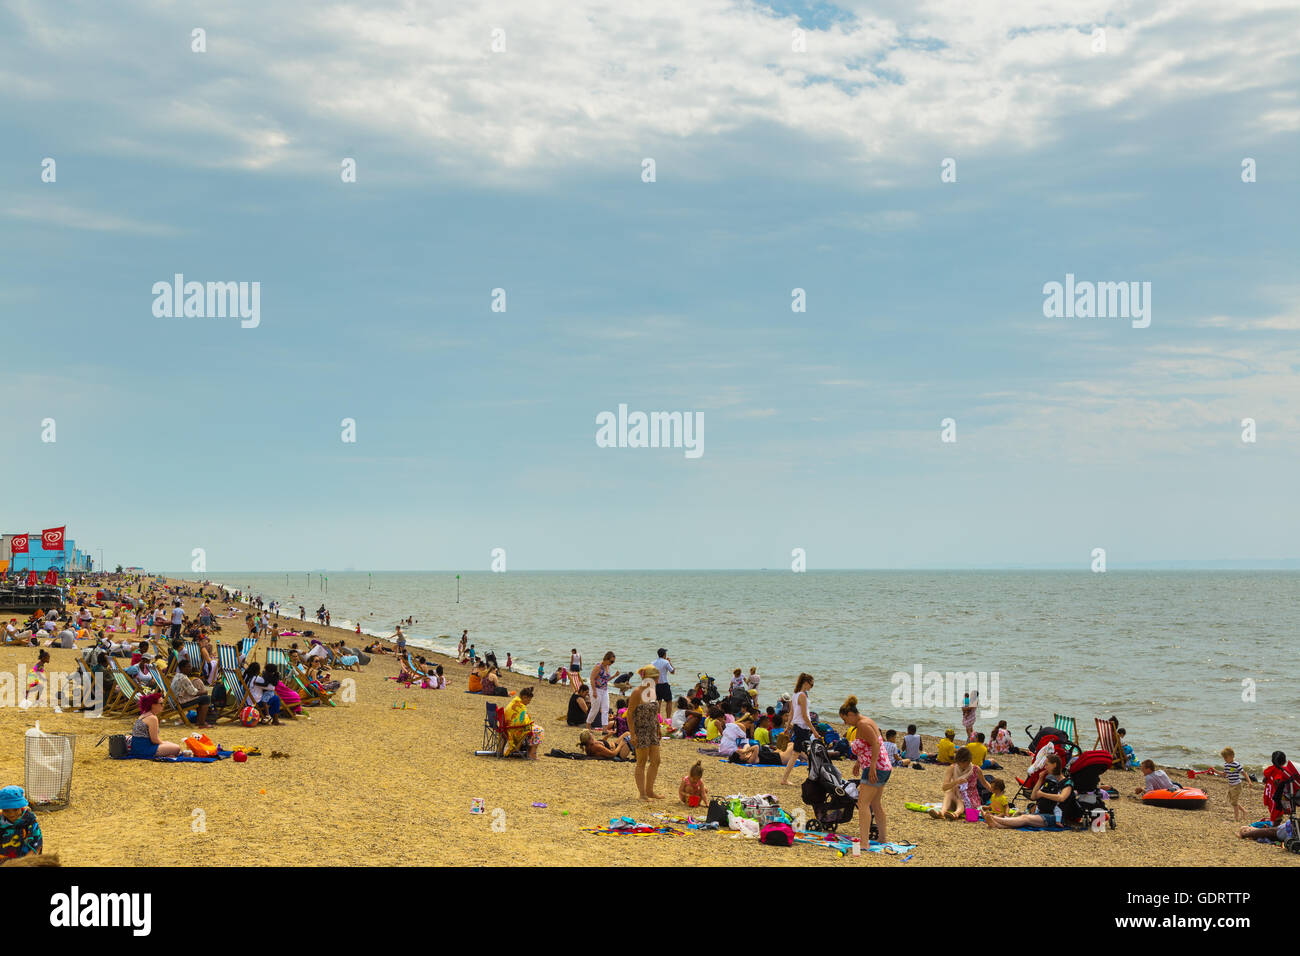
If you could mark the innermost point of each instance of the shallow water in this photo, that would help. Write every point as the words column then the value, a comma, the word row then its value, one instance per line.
column 1165, row 651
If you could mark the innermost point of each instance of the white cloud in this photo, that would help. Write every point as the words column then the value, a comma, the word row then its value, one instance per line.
column 292, row 85
column 57, row 212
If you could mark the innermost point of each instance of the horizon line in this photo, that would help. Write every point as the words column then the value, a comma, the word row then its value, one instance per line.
column 1280, row 564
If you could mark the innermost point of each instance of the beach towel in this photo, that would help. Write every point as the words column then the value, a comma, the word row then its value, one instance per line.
column 769, row 766
column 579, row 755
column 1043, row 829
column 185, row 758
column 844, row 846
column 632, row 831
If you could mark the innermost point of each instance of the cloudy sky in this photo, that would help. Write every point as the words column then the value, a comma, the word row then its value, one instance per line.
column 795, row 146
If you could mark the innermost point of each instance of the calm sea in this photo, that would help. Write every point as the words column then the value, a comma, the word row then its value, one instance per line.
column 1190, row 661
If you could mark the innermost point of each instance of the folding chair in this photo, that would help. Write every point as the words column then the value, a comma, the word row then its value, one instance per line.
column 279, row 659
column 1066, row 725
column 123, row 695
column 131, row 690
column 1108, row 740
column 232, row 678
column 410, row 663
column 494, row 738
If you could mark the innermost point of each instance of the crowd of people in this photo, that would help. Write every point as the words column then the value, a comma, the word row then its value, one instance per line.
column 151, row 629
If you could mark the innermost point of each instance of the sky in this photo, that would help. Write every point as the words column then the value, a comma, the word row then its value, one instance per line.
column 794, row 146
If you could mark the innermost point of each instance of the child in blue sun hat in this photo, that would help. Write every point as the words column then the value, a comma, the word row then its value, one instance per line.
column 20, row 833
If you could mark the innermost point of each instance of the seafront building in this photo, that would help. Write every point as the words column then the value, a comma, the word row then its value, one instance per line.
column 68, row 559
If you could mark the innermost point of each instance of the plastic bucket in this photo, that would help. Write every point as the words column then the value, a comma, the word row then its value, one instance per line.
column 972, row 814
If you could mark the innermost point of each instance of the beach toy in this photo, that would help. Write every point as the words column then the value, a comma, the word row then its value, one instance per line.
column 249, row 716
column 191, row 715
column 262, row 792
column 239, row 756
column 541, row 806
column 564, row 813
column 477, row 805
column 972, row 814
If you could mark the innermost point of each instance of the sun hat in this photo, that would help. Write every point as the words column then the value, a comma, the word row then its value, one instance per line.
column 12, row 798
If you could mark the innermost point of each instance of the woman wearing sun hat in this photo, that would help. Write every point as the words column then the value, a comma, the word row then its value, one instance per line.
column 145, row 742
column 20, row 833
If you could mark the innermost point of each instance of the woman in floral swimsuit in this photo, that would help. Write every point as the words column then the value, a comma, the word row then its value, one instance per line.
column 872, row 759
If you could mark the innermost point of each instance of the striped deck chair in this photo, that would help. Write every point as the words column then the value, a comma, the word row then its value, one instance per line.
column 1066, row 725
column 131, row 690
column 194, row 654
column 1108, row 740
column 300, row 672
column 169, row 698
column 247, row 647
column 232, row 677
column 410, row 662
column 306, row 689
column 123, row 694
column 288, row 673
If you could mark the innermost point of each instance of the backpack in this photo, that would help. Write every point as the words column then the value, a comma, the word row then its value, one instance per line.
column 776, row 834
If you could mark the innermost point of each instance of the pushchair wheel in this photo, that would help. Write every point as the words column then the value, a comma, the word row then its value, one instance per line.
column 874, row 833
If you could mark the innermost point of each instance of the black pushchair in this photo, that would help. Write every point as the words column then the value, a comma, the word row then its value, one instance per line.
column 831, row 797
column 710, row 688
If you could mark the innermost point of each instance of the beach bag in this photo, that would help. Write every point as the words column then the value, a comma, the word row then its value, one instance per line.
column 776, row 834
column 119, row 746
column 200, row 745
column 717, row 812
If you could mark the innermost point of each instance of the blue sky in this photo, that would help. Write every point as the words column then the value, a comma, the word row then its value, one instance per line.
column 775, row 170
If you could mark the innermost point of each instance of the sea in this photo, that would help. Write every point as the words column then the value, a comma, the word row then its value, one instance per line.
column 1188, row 661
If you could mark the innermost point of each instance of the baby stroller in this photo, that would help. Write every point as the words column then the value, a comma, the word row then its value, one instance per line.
column 710, row 688
column 1085, row 779
column 1282, row 796
column 1046, row 740
column 831, row 797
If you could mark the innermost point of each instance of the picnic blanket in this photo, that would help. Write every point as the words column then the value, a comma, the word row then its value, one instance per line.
column 797, row 763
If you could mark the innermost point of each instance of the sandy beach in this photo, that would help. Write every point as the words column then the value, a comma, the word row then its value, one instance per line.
column 373, row 785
